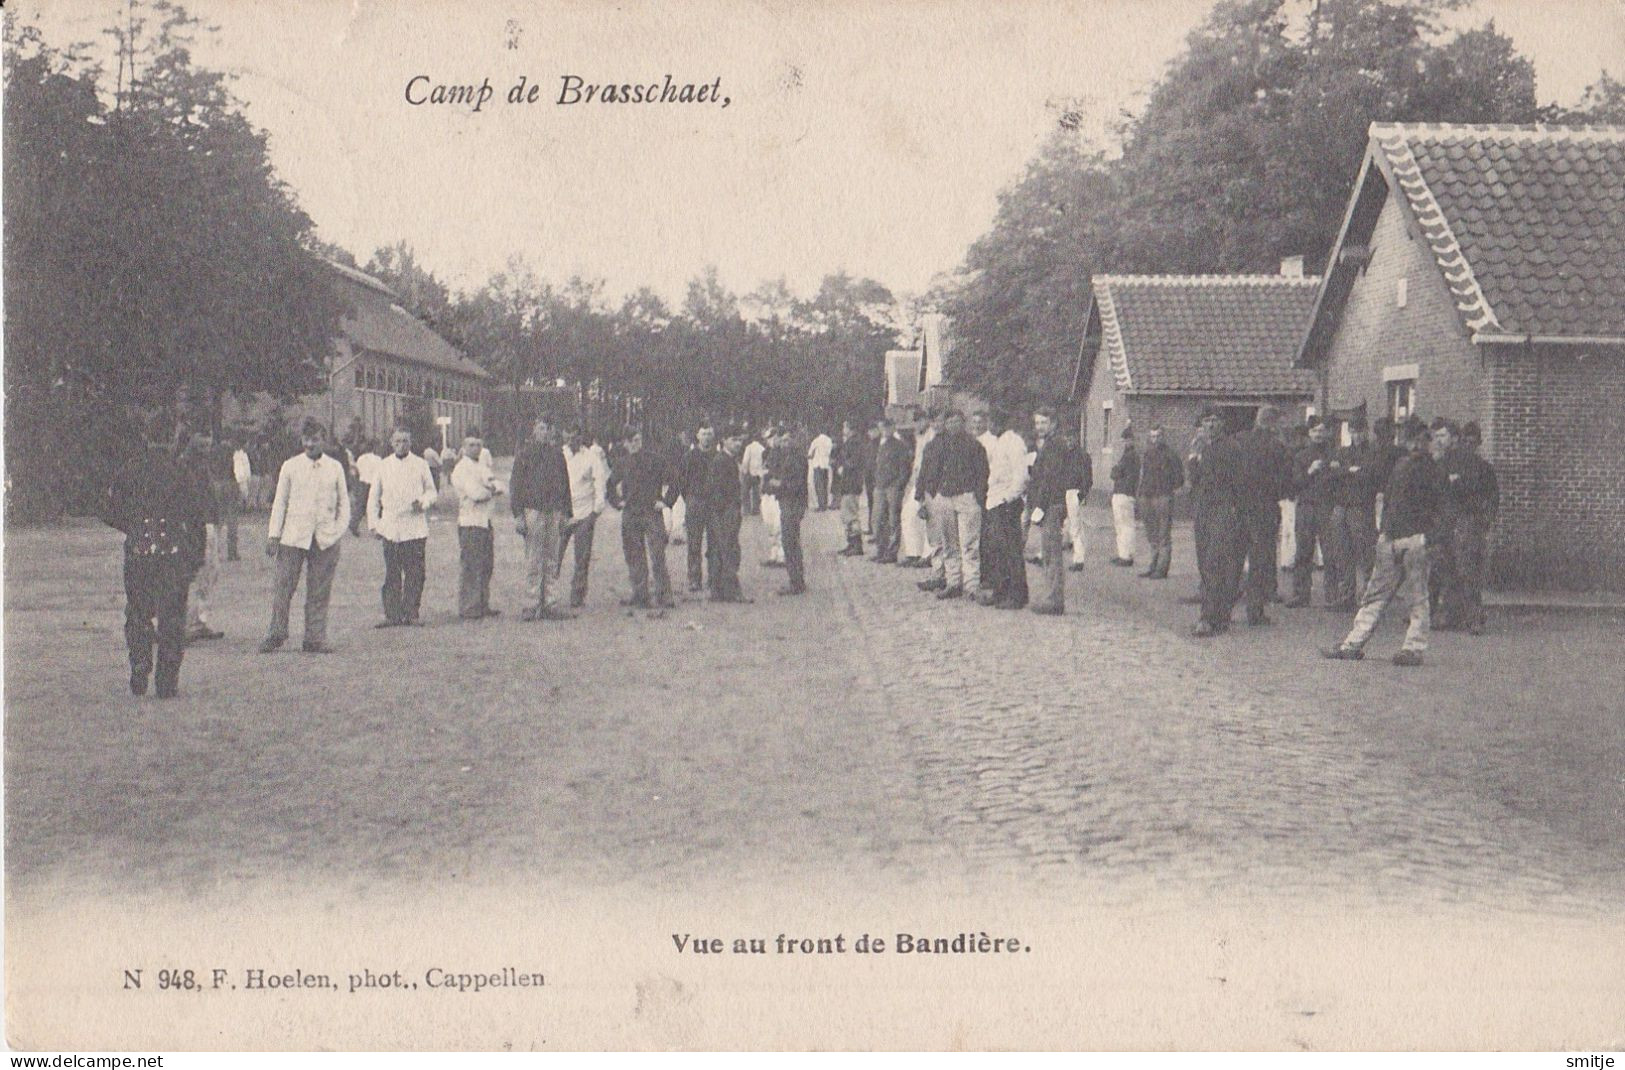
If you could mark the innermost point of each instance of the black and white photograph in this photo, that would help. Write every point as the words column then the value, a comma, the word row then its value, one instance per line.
column 558, row 525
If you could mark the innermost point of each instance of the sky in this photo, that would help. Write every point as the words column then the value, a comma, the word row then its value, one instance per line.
column 871, row 137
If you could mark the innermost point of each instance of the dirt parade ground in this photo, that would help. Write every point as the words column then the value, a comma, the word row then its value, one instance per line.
column 865, row 729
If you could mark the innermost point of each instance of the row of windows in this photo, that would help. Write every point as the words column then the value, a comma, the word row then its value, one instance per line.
column 396, row 381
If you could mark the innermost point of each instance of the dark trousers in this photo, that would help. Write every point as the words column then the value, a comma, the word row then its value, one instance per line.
column 869, row 505
column 1443, row 573
column 1313, row 527
column 694, row 529
column 1004, row 565
column 1354, row 531
column 1220, row 553
column 358, row 507
column 820, row 480
column 155, row 614
column 1464, row 598
column 319, row 566
column 476, row 547
column 230, row 497
column 1158, row 515
column 1261, row 537
column 887, row 521
column 722, row 553
column 791, row 510
column 579, row 534
column 1052, row 545
column 643, row 542
column 750, row 494
column 404, row 570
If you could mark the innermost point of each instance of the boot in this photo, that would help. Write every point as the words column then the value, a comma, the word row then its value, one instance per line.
column 167, row 679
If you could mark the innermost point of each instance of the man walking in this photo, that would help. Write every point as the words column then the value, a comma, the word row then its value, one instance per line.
column 846, row 464
column 786, row 481
column 1125, row 487
column 309, row 515
column 398, row 513
column 1313, row 485
column 1216, row 479
column 1055, row 471
column 818, row 456
column 1475, row 499
column 539, row 495
column 589, row 479
column 955, row 486
column 477, row 489
column 643, row 485
column 722, row 518
column 1161, row 476
column 1412, row 501
column 893, row 459
column 1266, row 478
column 162, row 506
column 696, row 471
column 1003, row 568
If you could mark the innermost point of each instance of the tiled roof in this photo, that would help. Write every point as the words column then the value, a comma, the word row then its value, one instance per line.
column 1208, row 334
column 1527, row 223
column 379, row 324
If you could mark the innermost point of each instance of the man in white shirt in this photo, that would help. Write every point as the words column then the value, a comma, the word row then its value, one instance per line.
column 1004, row 569
column 589, row 483
column 243, row 472
column 398, row 513
column 818, row 453
column 366, row 474
column 309, row 514
column 431, row 457
column 915, row 531
column 750, row 471
column 477, row 489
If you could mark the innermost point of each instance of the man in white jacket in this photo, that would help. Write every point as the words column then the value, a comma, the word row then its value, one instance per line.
column 398, row 513
column 309, row 516
column 477, row 489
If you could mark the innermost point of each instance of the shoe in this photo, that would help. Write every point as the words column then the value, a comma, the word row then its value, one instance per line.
column 739, row 600
column 636, row 603
column 528, row 614
column 932, row 585
column 203, row 634
column 1207, row 629
column 167, row 688
column 577, row 603
column 271, row 645
column 665, row 603
column 1046, row 610
column 1035, row 560
column 554, row 614
column 1296, row 603
column 788, row 591
column 1408, row 658
column 1077, row 566
column 849, row 552
column 886, row 560
column 921, row 562
column 316, row 648
column 695, row 588
column 770, row 563
column 1122, row 562
column 950, row 592
column 1148, row 575
column 987, row 598
column 138, row 683
column 389, row 624
column 1476, row 628
column 1258, row 621
column 1343, row 653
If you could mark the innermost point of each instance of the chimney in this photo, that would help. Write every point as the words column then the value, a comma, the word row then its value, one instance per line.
column 1292, row 267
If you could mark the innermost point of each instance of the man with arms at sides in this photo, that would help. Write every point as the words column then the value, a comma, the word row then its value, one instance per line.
column 786, row 480
column 1055, row 471
column 309, row 515
column 643, row 485
column 161, row 506
column 915, row 538
column 893, row 459
column 722, row 519
column 846, row 465
column 818, row 455
column 589, row 480
column 1161, row 476
column 1125, row 486
column 539, row 496
column 695, row 474
column 398, row 513
column 1004, row 567
column 477, row 489
column 961, row 488
column 1215, row 466
column 1266, row 480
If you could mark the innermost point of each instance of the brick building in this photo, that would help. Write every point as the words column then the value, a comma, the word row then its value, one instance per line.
column 382, row 357
column 1492, row 288
column 1157, row 349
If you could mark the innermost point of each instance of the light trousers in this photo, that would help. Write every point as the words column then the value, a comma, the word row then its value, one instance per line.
column 1123, row 525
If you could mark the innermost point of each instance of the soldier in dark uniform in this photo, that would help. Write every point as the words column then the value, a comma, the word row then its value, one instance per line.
column 692, row 477
column 1358, row 470
column 1266, row 478
column 723, row 517
column 1215, row 476
column 786, row 480
column 1313, row 527
column 641, row 484
column 1475, row 499
column 1442, row 549
column 162, row 506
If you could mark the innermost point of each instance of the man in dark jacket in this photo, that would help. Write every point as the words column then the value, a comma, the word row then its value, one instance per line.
column 1312, row 483
column 1161, row 476
column 846, row 484
column 1356, row 469
column 893, row 460
column 1266, row 479
column 720, row 498
column 691, row 478
column 1413, row 499
column 642, row 484
column 953, row 486
column 1125, row 485
column 163, row 507
column 1475, row 499
column 539, row 494
column 786, row 480
column 1055, row 471
column 1217, row 478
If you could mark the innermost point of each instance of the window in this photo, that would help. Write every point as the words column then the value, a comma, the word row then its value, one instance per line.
column 1106, row 425
column 360, row 376
column 1401, row 399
